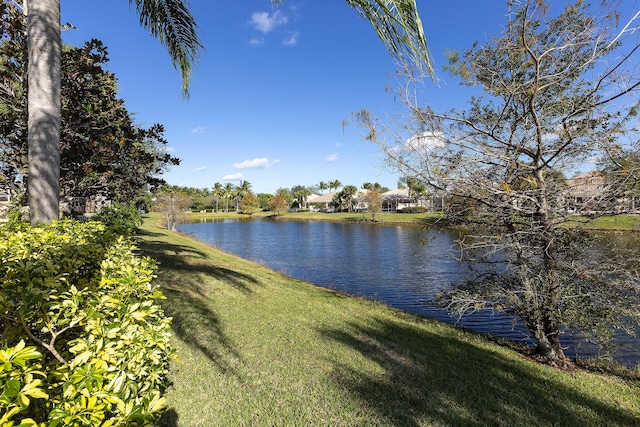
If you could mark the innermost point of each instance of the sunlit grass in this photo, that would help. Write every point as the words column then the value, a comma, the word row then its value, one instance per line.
column 256, row 348
column 385, row 217
column 609, row 222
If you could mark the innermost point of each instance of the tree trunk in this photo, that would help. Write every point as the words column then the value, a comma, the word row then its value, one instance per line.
column 546, row 333
column 549, row 345
column 43, row 181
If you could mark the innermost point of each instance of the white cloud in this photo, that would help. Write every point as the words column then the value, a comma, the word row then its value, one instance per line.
column 338, row 144
column 233, row 177
column 291, row 40
column 331, row 158
column 198, row 129
column 199, row 169
column 170, row 149
column 259, row 163
column 265, row 22
column 256, row 41
column 426, row 141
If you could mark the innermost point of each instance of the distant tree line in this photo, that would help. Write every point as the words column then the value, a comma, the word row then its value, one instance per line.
column 229, row 197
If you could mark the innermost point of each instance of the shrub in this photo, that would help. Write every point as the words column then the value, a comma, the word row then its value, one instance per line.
column 413, row 209
column 101, row 343
column 120, row 218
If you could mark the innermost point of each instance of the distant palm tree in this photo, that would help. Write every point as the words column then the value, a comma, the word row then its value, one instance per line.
column 302, row 195
column 416, row 187
column 240, row 191
column 322, row 186
column 373, row 186
column 227, row 194
column 349, row 192
column 217, row 193
column 335, row 184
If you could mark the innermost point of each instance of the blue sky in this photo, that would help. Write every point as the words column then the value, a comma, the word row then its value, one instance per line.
column 271, row 90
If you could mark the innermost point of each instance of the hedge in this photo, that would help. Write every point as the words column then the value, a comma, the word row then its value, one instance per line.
column 84, row 343
column 413, row 209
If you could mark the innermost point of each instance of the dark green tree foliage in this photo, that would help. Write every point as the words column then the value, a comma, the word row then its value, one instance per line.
column 343, row 200
column 103, row 152
column 301, row 193
column 416, row 187
column 559, row 90
column 13, row 100
column 264, row 200
column 375, row 186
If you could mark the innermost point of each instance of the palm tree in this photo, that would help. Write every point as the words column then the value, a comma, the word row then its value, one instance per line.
column 301, row 193
column 244, row 187
column 335, row 184
column 167, row 20
column 240, row 191
column 227, row 193
column 217, row 193
column 322, row 186
column 416, row 187
column 396, row 22
column 349, row 192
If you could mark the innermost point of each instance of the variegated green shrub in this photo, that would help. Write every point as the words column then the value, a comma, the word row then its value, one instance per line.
column 98, row 342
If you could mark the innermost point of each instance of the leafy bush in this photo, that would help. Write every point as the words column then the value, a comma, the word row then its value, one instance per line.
column 120, row 218
column 101, row 342
column 413, row 209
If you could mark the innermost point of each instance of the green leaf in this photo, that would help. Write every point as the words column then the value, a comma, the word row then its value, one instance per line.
column 9, row 415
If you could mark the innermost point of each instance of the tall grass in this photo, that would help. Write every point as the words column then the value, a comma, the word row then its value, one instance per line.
column 256, row 348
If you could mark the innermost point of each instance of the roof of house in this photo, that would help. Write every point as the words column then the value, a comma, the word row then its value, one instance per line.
column 312, row 197
column 325, row 198
column 398, row 193
column 590, row 183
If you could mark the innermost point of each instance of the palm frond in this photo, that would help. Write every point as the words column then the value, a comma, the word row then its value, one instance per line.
column 398, row 25
column 171, row 22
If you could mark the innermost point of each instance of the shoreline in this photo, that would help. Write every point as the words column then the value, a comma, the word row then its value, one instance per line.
column 623, row 223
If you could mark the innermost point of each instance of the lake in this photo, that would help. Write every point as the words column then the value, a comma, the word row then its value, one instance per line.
column 402, row 266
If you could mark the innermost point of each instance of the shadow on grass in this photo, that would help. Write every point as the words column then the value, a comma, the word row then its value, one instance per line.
column 169, row 418
column 433, row 379
column 194, row 320
column 176, row 258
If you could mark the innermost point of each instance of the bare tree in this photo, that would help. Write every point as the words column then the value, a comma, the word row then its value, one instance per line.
column 172, row 208
column 560, row 90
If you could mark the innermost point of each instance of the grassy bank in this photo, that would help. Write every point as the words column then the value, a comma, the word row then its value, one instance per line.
column 609, row 222
column 256, row 348
column 386, row 217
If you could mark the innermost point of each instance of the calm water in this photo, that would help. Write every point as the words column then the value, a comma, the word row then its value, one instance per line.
column 402, row 266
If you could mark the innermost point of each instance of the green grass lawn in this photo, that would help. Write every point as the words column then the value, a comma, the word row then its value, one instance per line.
column 609, row 222
column 256, row 348
column 387, row 217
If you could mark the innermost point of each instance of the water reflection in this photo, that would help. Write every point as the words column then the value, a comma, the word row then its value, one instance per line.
column 402, row 266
